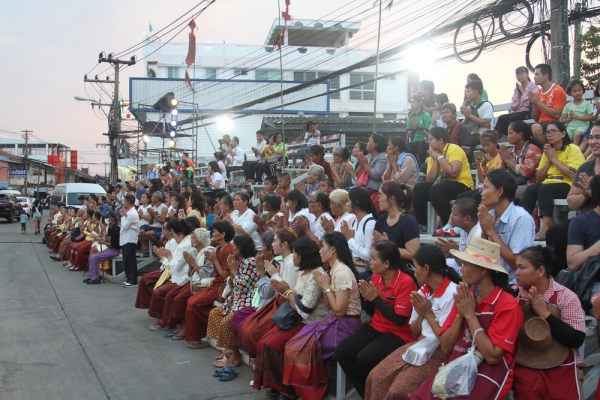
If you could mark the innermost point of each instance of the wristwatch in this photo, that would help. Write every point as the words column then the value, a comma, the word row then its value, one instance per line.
column 327, row 290
column 440, row 157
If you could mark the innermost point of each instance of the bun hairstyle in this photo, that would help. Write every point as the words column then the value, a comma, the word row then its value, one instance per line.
column 402, row 194
column 542, row 256
column 180, row 226
column 338, row 241
column 388, row 251
column 342, row 152
column 434, row 258
column 287, row 235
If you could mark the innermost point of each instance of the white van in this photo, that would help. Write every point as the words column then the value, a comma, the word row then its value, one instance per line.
column 68, row 193
column 11, row 192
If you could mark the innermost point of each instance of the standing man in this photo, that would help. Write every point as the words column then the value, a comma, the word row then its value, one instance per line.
column 111, row 240
column 130, row 228
column 548, row 103
column 236, row 154
column 478, row 113
column 251, row 167
column 152, row 172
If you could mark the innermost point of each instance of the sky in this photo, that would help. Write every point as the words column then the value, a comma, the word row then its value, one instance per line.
column 48, row 46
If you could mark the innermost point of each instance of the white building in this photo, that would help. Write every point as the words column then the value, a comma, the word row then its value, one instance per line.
column 311, row 49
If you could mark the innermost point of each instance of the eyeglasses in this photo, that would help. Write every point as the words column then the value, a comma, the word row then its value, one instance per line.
column 550, row 132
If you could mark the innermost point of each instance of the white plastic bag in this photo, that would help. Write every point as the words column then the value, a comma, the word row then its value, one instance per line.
column 420, row 352
column 458, row 377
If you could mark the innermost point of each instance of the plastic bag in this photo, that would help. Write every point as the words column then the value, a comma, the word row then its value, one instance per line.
column 458, row 377
column 420, row 352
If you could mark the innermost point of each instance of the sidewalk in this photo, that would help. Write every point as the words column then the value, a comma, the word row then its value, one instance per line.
column 63, row 339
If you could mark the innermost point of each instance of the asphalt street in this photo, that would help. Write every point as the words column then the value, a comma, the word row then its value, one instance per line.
column 63, row 339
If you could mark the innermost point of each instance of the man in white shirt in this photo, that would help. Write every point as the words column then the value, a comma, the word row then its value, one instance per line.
column 463, row 216
column 130, row 228
column 236, row 155
column 251, row 167
column 478, row 114
column 152, row 172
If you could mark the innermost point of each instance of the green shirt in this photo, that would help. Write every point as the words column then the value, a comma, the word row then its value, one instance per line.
column 279, row 147
column 424, row 120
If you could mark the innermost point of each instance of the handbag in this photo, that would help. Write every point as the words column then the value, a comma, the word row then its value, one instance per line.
column 286, row 317
column 273, row 158
column 362, row 178
column 442, row 176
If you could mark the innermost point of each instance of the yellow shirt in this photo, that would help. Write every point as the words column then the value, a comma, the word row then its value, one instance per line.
column 453, row 153
column 88, row 235
column 570, row 156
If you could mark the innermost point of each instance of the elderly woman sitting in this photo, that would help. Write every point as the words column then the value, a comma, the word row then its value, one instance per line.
column 338, row 199
column 341, row 168
column 178, row 272
column 243, row 279
column 199, row 267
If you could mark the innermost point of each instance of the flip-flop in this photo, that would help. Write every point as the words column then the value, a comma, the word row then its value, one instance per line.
column 169, row 334
column 227, row 374
column 178, row 336
column 217, row 373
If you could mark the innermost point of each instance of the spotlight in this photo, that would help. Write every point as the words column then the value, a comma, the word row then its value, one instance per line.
column 166, row 103
column 172, row 143
column 174, row 112
column 224, row 123
column 173, row 134
column 146, row 138
column 173, row 123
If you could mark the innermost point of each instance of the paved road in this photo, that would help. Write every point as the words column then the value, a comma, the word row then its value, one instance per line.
column 62, row 339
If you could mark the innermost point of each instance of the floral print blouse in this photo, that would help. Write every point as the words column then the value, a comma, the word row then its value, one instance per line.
column 244, row 285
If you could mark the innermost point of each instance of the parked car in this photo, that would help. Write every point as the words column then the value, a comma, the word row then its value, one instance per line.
column 26, row 205
column 10, row 208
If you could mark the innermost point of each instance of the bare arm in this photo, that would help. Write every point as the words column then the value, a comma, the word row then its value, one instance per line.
column 577, row 256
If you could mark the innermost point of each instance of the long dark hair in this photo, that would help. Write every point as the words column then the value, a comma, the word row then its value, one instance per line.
column 388, row 251
column 525, row 130
column 308, row 251
column 434, row 257
column 338, row 241
column 501, row 279
column 359, row 198
column 198, row 202
column 299, row 198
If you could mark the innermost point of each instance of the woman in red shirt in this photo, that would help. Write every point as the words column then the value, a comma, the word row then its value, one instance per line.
column 387, row 298
column 488, row 311
column 317, row 156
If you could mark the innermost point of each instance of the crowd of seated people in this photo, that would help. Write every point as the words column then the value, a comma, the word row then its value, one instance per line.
column 333, row 268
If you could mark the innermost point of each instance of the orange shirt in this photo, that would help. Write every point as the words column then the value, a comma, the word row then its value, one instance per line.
column 556, row 98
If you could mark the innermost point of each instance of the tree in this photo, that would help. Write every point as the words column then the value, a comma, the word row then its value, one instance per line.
column 589, row 45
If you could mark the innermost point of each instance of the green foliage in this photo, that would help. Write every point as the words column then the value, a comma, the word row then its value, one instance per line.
column 589, row 45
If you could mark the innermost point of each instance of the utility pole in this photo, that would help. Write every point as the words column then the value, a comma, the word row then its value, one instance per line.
column 115, row 124
column 576, row 34
column 26, row 137
column 559, row 37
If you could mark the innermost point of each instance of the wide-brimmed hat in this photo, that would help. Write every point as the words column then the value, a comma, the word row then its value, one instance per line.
column 537, row 348
column 481, row 252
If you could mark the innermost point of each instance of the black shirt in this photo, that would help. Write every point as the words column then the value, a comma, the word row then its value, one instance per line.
column 403, row 231
column 589, row 168
column 114, row 236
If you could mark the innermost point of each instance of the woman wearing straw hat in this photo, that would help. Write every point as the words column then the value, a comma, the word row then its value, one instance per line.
column 553, row 329
column 487, row 311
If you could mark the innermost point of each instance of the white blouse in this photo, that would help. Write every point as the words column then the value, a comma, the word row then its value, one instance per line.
column 246, row 221
column 218, row 177
column 348, row 217
column 360, row 244
column 179, row 267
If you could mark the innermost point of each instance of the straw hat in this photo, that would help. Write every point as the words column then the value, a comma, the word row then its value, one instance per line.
column 482, row 253
column 537, row 348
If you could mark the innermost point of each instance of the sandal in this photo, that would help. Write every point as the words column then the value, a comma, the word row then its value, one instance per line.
column 221, row 362
column 159, row 326
column 217, row 373
column 169, row 334
column 178, row 336
column 540, row 237
column 227, row 374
